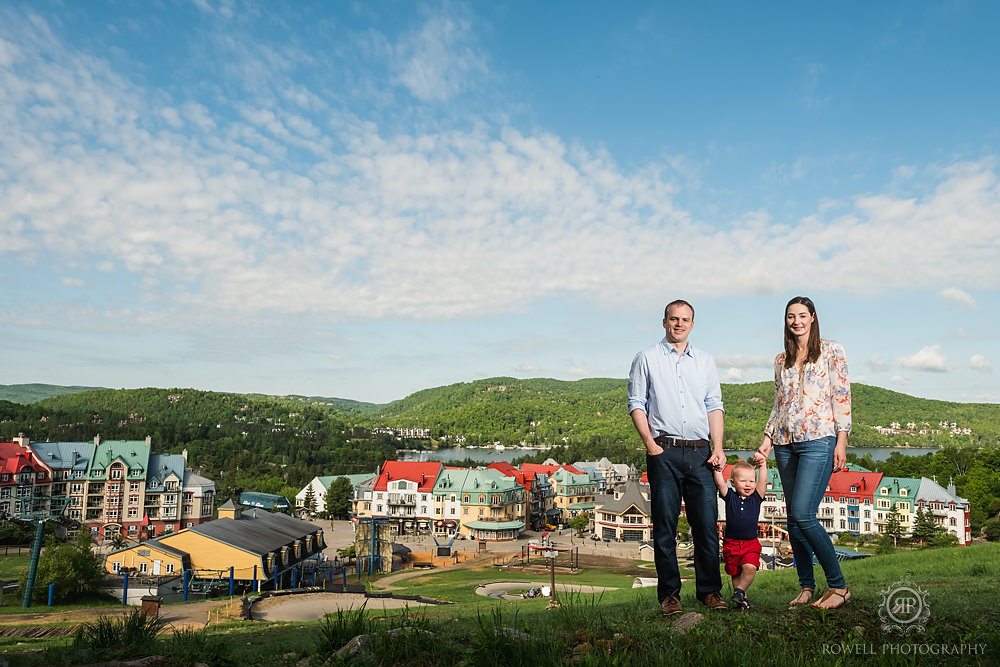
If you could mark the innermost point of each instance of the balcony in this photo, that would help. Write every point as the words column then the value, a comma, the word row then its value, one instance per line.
column 403, row 499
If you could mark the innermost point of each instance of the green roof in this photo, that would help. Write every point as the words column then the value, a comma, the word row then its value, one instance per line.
column 494, row 525
column 133, row 453
column 581, row 506
column 488, row 480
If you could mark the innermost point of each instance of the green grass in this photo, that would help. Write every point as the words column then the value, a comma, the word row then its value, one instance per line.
column 618, row 627
column 13, row 567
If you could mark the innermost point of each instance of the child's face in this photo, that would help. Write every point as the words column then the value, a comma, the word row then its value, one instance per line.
column 744, row 482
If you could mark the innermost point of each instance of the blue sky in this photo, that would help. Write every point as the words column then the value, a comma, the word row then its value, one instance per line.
column 364, row 200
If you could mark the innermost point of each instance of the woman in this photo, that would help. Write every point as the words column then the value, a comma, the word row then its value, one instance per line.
column 808, row 429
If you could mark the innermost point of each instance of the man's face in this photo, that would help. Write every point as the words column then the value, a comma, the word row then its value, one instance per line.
column 678, row 323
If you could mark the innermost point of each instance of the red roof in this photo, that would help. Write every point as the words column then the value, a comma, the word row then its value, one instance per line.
column 423, row 473
column 543, row 469
column 525, row 477
column 14, row 457
column 864, row 483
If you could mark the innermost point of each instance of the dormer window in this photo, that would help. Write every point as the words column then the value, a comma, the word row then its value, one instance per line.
column 902, row 492
column 854, row 489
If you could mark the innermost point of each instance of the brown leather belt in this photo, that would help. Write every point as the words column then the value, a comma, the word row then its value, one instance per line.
column 667, row 441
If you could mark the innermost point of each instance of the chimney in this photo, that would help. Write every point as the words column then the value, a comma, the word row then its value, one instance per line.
column 149, row 440
column 97, row 439
column 184, row 453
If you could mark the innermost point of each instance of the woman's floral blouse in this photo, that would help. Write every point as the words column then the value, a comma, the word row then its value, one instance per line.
column 811, row 402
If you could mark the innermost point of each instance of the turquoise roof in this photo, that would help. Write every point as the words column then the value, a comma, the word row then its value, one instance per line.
column 893, row 486
column 494, row 525
column 65, row 455
column 451, row 480
column 488, row 480
column 267, row 501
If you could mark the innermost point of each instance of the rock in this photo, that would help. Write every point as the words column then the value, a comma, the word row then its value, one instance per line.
column 582, row 649
column 859, row 630
column 361, row 645
column 304, row 662
column 688, row 621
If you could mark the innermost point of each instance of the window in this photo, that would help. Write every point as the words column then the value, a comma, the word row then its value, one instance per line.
column 133, row 487
column 40, row 475
column 902, row 492
column 170, row 568
column 482, row 498
column 112, row 488
column 884, row 491
column 133, row 500
column 115, row 566
column 112, row 515
column 132, row 514
column 5, row 492
column 116, row 473
column 854, row 489
column 368, row 506
column 143, row 567
column 169, row 528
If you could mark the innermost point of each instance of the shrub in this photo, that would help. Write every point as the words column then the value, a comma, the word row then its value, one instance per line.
column 124, row 635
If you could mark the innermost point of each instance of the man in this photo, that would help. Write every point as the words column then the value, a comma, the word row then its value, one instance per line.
column 675, row 402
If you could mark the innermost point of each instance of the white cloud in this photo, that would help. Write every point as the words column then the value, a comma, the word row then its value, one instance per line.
column 527, row 368
column 980, row 363
column 743, row 361
column 961, row 333
column 732, row 375
column 71, row 282
column 878, row 364
column 958, row 296
column 899, row 379
column 442, row 58
column 436, row 224
column 927, row 359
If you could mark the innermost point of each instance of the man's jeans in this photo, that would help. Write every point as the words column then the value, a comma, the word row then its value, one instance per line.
column 805, row 469
column 684, row 472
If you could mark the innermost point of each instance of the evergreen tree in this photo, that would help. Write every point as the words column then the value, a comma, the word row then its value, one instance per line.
column 924, row 527
column 893, row 527
column 309, row 502
column 338, row 497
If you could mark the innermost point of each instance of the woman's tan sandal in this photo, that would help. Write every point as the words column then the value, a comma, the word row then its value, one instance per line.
column 805, row 593
column 842, row 599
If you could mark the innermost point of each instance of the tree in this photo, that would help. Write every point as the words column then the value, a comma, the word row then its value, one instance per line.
column 924, row 527
column 71, row 566
column 893, row 527
column 338, row 497
column 309, row 502
column 683, row 527
column 579, row 523
column 118, row 541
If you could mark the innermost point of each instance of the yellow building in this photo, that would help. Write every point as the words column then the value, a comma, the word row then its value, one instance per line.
column 253, row 542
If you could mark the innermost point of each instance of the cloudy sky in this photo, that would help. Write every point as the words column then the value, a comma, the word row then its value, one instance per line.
column 364, row 200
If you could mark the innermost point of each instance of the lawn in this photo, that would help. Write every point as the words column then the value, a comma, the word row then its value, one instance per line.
column 958, row 588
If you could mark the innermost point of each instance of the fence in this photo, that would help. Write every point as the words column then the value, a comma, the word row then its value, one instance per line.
column 16, row 549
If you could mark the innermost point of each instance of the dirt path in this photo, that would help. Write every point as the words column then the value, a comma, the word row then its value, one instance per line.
column 193, row 615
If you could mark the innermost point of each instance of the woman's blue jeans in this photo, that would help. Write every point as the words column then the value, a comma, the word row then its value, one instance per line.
column 805, row 469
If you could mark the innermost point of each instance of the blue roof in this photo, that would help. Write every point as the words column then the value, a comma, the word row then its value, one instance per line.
column 65, row 455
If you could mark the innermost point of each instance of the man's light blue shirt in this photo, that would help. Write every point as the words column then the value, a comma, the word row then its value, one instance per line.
column 676, row 391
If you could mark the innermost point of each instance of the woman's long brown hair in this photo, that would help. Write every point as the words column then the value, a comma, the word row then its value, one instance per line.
column 791, row 343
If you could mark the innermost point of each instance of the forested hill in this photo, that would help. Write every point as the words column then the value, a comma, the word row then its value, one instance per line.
column 541, row 411
column 29, row 393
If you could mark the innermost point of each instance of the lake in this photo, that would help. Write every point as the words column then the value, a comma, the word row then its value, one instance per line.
column 487, row 455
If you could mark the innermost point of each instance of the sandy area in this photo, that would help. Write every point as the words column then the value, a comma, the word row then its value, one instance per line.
column 313, row 606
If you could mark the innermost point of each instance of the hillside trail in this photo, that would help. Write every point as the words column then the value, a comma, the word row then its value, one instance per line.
column 191, row 616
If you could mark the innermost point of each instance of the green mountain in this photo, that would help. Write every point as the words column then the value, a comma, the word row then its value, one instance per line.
column 29, row 393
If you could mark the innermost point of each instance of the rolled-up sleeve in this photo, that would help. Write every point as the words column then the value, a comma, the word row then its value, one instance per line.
column 638, row 384
column 713, row 393
column 769, row 429
column 840, row 388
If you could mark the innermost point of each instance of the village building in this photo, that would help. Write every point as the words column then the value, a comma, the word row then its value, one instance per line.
column 404, row 494
column 536, row 486
column 448, row 500
column 898, row 492
column 624, row 515
column 491, row 504
column 25, row 481
column 262, row 549
column 320, row 486
column 573, row 493
column 949, row 510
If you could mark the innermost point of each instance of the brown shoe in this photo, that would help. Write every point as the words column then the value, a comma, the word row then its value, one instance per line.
column 671, row 605
column 714, row 601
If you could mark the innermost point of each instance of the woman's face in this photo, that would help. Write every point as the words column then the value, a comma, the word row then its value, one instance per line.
column 799, row 321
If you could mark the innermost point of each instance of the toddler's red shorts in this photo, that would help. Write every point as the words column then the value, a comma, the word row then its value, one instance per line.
column 738, row 552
